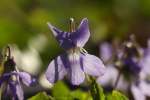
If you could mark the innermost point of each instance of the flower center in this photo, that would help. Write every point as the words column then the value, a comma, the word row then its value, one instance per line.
column 74, row 54
column 13, row 78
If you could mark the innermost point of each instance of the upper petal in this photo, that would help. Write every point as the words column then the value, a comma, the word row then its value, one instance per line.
column 76, row 76
column 92, row 65
column 57, row 69
column 64, row 38
column 82, row 34
column 4, row 77
column 27, row 79
column 106, row 51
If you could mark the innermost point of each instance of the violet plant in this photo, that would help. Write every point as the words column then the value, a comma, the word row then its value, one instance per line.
column 126, row 64
column 11, row 75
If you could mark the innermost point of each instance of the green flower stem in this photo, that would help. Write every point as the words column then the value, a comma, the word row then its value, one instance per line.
column 111, row 58
column 88, row 83
column 117, row 80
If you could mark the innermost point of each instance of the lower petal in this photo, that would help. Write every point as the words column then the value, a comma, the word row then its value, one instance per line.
column 108, row 78
column 19, row 90
column 145, row 86
column 57, row 69
column 12, row 88
column 76, row 73
column 137, row 93
column 92, row 65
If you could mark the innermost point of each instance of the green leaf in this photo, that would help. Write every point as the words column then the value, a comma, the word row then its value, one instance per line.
column 60, row 90
column 41, row 96
column 81, row 95
column 96, row 90
column 108, row 96
column 66, row 98
column 118, row 96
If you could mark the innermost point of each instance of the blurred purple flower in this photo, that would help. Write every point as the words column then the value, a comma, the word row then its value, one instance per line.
column 131, row 66
column 106, row 51
column 140, row 89
column 146, row 59
column 74, row 61
column 110, row 77
column 12, row 82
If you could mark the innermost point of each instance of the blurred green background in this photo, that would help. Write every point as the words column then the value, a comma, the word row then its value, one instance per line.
column 23, row 26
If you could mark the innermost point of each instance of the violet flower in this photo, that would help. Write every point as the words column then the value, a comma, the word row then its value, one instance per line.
column 11, row 78
column 12, row 82
column 75, row 60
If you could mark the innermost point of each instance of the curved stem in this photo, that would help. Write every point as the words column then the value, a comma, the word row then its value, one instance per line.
column 89, row 84
column 9, row 50
column 72, row 25
column 6, row 55
column 87, row 80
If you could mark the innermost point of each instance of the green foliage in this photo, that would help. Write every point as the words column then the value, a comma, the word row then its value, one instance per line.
column 44, row 96
column 81, row 95
column 108, row 96
column 96, row 90
column 118, row 96
column 60, row 90
column 66, row 98
column 41, row 96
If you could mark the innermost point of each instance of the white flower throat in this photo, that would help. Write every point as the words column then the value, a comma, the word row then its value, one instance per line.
column 74, row 54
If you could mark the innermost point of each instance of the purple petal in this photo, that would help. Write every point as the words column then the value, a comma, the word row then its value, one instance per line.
column 76, row 76
column 4, row 77
column 57, row 69
column 12, row 88
column 109, row 77
column 106, row 51
column 145, row 64
column 64, row 38
column 19, row 91
column 27, row 79
column 137, row 93
column 92, row 65
column 133, row 64
column 145, row 87
column 81, row 36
